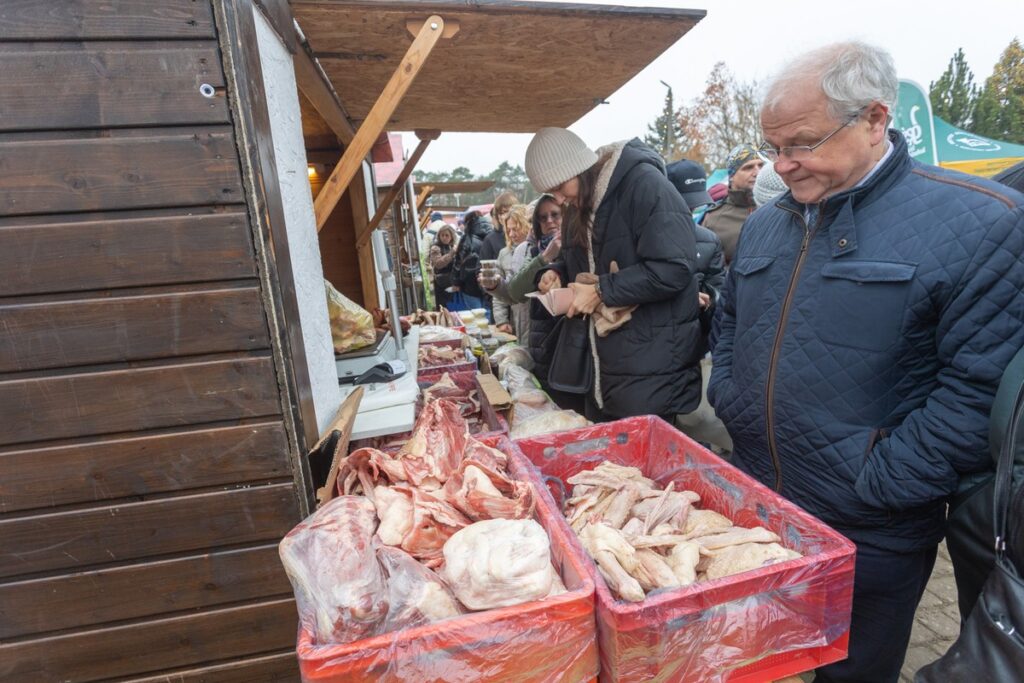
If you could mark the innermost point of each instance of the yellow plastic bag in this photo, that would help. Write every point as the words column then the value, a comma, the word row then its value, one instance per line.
column 351, row 325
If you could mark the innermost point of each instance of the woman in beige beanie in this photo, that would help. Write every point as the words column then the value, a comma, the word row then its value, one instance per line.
column 628, row 249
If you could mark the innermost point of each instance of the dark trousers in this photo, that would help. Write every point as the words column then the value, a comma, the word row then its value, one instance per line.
column 886, row 589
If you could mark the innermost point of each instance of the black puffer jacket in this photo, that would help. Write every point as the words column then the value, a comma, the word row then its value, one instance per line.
column 467, row 258
column 651, row 365
column 493, row 244
column 710, row 264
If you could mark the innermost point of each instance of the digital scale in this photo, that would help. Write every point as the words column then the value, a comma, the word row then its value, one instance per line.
column 388, row 405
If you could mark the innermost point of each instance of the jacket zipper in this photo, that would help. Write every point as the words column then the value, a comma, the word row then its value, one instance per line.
column 777, row 345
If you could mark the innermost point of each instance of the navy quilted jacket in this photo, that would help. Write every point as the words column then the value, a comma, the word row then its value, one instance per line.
column 857, row 358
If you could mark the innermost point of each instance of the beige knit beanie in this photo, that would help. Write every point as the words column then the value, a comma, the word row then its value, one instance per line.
column 554, row 156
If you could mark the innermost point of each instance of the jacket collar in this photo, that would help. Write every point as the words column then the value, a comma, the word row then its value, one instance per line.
column 742, row 198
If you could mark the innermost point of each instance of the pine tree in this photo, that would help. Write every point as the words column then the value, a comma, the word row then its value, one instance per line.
column 954, row 95
column 666, row 134
column 1000, row 110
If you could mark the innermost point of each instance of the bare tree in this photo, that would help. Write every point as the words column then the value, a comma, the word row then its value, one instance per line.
column 725, row 115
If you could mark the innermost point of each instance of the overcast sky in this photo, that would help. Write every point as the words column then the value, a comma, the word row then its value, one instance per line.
column 754, row 38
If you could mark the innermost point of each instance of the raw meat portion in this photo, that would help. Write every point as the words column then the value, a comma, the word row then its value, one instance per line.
column 619, row 508
column 499, row 562
column 653, row 572
column 432, row 355
column 416, row 595
column 339, row 587
column 740, row 558
column 735, row 536
column 547, row 422
column 436, row 446
column 703, row 522
column 361, row 469
column 683, row 559
column 395, row 511
column 482, row 492
column 433, row 523
column 615, row 557
column 446, row 388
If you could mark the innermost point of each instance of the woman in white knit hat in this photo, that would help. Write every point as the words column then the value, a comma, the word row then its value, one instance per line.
column 768, row 185
column 628, row 249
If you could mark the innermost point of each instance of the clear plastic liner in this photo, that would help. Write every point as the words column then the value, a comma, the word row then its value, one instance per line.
column 758, row 625
column 552, row 639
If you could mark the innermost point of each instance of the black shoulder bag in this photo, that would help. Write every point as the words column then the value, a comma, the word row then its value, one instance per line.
column 572, row 368
column 991, row 643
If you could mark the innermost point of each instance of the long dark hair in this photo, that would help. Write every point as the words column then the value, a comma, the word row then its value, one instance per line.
column 577, row 221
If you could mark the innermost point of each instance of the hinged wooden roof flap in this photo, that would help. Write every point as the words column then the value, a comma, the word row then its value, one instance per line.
column 513, row 66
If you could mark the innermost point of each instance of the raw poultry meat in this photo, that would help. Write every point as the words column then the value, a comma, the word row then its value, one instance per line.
column 427, row 522
column 547, row 422
column 499, row 562
column 644, row 538
column 416, row 595
column 339, row 586
column 746, row 556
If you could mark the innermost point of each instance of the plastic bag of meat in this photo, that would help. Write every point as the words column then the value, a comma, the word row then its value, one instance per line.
column 499, row 562
column 416, row 595
column 547, row 422
column 351, row 325
column 340, row 589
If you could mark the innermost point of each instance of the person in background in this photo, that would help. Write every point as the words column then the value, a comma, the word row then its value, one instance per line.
column 690, row 180
column 866, row 321
column 496, row 241
column 466, row 264
column 442, row 252
column 631, row 235
column 726, row 218
column 512, row 318
column 768, row 186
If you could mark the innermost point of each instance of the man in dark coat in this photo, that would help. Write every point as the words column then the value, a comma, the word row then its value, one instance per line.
column 467, row 258
column 651, row 364
column 865, row 324
column 726, row 218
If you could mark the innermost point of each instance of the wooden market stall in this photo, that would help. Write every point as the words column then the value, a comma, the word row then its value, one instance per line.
column 161, row 367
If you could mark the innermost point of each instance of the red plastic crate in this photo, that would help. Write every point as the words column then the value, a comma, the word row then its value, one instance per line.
column 543, row 640
column 758, row 626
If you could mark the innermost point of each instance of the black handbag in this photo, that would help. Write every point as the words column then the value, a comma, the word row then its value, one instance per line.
column 991, row 643
column 572, row 367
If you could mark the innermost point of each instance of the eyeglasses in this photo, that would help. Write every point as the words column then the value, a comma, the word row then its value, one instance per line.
column 798, row 152
column 553, row 216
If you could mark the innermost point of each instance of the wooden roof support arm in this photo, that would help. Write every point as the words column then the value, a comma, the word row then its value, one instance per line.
column 426, row 137
column 424, row 196
column 377, row 119
column 315, row 86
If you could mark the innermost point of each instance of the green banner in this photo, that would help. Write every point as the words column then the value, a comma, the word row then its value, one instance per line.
column 913, row 117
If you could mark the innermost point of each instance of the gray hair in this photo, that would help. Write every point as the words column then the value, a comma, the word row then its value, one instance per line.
column 852, row 75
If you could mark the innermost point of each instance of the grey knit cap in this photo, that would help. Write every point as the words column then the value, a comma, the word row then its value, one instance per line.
column 768, row 185
column 554, row 156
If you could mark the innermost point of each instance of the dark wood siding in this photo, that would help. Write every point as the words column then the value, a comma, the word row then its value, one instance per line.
column 146, row 472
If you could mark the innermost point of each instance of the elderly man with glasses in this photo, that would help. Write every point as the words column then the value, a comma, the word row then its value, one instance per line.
column 864, row 326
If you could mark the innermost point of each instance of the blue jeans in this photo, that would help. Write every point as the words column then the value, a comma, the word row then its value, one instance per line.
column 886, row 589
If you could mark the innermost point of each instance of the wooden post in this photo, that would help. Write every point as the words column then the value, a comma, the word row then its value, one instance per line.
column 426, row 137
column 424, row 195
column 377, row 119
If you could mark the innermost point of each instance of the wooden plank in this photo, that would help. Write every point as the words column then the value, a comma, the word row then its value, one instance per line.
column 111, row 329
column 152, row 646
column 79, row 253
column 317, row 90
column 377, row 118
column 88, row 19
column 140, row 590
column 133, row 399
column 133, row 171
column 124, row 467
column 109, row 85
column 398, row 186
column 78, row 538
column 277, row 668
column 360, row 217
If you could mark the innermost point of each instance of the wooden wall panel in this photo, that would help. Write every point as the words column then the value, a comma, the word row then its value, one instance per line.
column 76, row 538
column 153, row 645
column 90, row 19
column 74, row 332
column 128, row 466
column 142, row 590
column 132, row 399
column 124, row 250
column 278, row 668
column 156, row 84
column 142, row 169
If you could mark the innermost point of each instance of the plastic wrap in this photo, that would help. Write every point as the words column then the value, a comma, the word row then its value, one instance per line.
column 416, row 595
column 433, row 334
column 512, row 354
column 756, row 626
column 545, row 422
column 351, row 325
column 544, row 640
